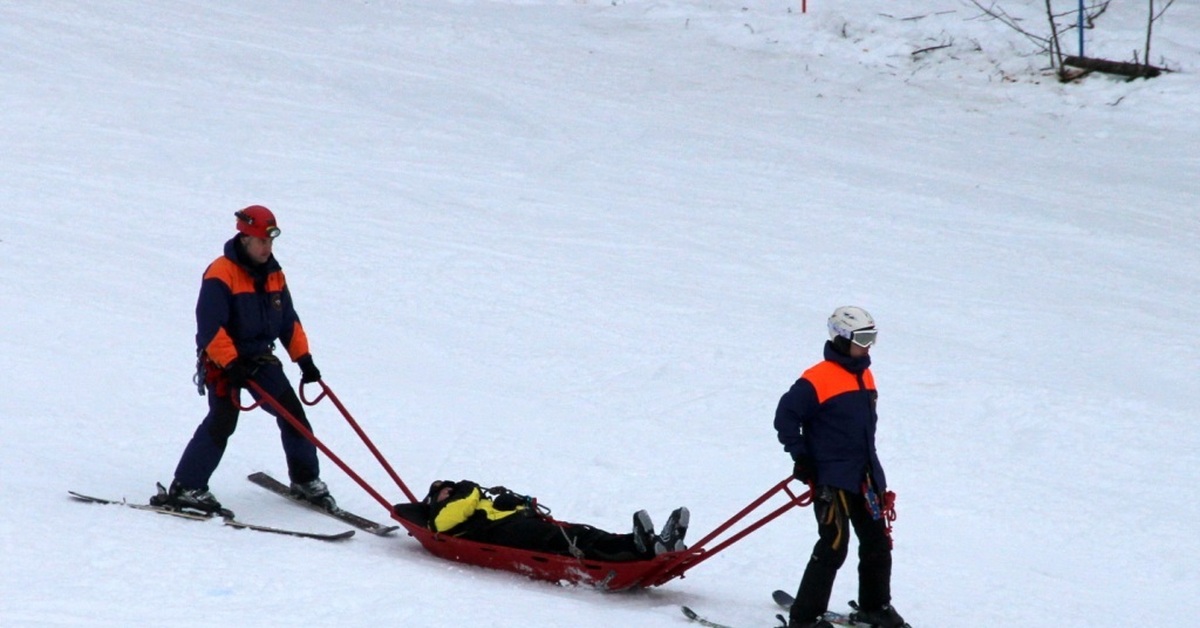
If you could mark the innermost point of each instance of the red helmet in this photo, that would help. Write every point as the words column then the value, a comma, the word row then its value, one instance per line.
column 257, row 221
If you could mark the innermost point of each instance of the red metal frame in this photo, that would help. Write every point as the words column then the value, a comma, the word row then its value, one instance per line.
column 610, row 576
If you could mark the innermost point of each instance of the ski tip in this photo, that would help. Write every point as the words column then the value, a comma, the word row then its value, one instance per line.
column 337, row 536
column 689, row 613
column 384, row 530
column 93, row 500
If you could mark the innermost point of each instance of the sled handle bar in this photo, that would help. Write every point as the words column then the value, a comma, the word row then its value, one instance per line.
column 326, row 391
column 304, row 397
column 698, row 553
column 235, row 395
column 265, row 397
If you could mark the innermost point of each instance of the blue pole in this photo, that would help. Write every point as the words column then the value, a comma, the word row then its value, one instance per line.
column 1081, row 28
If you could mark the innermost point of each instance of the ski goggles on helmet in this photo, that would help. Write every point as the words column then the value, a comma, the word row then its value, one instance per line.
column 864, row 337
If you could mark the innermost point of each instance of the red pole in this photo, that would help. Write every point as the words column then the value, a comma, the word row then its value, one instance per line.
column 754, row 505
column 698, row 553
column 361, row 434
column 307, row 433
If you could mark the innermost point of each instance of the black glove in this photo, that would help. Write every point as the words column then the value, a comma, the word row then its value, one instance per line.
column 308, row 371
column 240, row 371
column 804, row 469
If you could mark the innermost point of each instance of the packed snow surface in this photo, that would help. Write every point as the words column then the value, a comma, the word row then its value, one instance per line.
column 580, row 248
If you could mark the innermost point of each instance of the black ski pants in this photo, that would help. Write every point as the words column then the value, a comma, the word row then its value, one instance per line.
column 837, row 512
column 557, row 537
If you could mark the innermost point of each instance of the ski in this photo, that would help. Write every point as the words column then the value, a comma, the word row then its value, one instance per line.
column 228, row 520
column 345, row 516
column 785, row 600
column 703, row 621
column 242, row 525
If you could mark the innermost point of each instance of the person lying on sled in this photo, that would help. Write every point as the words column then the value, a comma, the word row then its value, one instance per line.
column 499, row 516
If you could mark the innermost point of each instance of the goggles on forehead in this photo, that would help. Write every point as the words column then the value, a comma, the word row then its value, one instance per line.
column 864, row 337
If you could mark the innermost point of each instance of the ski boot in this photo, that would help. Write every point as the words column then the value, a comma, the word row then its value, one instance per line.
column 193, row 500
column 315, row 492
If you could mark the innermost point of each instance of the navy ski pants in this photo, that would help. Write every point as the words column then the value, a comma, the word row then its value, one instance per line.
column 203, row 453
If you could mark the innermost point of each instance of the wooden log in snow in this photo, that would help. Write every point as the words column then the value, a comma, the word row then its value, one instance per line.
column 1122, row 68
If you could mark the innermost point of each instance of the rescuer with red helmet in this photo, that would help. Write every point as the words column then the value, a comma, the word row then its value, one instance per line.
column 244, row 308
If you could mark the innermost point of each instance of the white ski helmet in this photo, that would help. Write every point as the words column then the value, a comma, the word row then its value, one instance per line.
column 848, row 319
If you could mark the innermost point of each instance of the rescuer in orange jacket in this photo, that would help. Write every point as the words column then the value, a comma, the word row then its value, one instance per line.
column 244, row 307
column 826, row 421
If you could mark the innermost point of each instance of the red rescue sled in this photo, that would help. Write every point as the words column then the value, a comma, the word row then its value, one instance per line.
column 606, row 575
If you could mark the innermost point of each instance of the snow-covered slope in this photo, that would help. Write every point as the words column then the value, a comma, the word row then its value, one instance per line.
column 580, row 248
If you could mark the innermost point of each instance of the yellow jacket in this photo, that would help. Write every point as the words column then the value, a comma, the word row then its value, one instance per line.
column 466, row 509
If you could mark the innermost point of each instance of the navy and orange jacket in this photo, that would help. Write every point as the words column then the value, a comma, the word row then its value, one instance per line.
column 829, row 416
column 243, row 309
